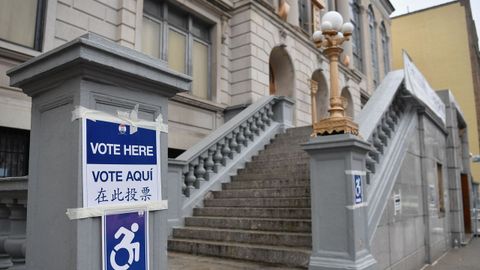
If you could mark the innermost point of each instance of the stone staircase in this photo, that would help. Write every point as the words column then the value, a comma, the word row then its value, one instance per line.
column 262, row 215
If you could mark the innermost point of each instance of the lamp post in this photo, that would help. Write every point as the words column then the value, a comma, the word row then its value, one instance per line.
column 334, row 33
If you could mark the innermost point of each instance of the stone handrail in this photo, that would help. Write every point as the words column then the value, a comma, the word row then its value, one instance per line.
column 13, row 215
column 216, row 157
column 384, row 122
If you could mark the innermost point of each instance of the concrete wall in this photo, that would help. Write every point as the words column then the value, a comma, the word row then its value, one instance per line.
column 417, row 232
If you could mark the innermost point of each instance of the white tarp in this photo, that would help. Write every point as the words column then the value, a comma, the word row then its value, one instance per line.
column 416, row 83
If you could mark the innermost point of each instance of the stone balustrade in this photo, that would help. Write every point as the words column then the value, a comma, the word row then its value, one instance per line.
column 210, row 162
column 13, row 220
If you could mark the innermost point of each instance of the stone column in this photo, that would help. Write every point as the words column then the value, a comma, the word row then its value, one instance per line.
column 5, row 261
column 339, row 210
column 100, row 75
column 16, row 241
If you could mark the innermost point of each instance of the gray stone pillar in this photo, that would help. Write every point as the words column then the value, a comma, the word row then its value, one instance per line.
column 96, row 74
column 339, row 218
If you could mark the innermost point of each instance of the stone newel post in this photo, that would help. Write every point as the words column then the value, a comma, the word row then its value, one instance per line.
column 339, row 203
column 99, row 75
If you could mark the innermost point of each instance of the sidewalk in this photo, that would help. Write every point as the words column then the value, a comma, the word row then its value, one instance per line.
column 465, row 258
column 180, row 261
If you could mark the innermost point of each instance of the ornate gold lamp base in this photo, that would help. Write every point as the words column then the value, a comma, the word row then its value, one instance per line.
column 335, row 125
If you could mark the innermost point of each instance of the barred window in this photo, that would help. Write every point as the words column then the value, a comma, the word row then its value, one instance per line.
column 14, row 147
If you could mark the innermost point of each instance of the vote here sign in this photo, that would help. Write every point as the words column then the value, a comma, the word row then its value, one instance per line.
column 119, row 166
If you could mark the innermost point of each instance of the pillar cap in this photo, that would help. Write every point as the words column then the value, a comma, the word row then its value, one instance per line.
column 97, row 58
column 337, row 143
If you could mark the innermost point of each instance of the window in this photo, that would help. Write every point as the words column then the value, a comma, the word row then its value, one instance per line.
column 363, row 99
column 356, row 35
column 372, row 25
column 441, row 199
column 181, row 39
column 21, row 22
column 385, row 48
column 332, row 5
column 14, row 146
column 303, row 15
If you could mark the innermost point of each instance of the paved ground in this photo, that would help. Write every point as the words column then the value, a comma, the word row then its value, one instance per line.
column 465, row 258
column 180, row 261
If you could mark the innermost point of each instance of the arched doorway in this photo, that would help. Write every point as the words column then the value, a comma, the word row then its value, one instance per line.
column 322, row 94
column 282, row 75
column 349, row 102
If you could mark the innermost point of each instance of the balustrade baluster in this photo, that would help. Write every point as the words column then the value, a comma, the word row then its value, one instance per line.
column 190, row 178
column 200, row 172
column 16, row 242
column 254, row 126
column 248, row 132
column 209, row 164
column 234, row 145
column 218, row 157
column 241, row 136
column 269, row 114
column 226, row 151
column 5, row 261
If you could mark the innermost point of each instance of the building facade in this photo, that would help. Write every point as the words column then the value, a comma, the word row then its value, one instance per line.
column 455, row 62
column 235, row 51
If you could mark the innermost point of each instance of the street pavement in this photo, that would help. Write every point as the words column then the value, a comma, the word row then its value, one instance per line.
column 464, row 258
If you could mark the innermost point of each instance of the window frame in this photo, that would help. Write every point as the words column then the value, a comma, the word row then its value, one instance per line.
column 39, row 30
column 372, row 26
column 357, row 46
column 385, row 48
column 166, row 26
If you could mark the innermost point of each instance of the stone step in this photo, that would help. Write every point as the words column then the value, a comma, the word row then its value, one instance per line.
column 275, row 213
column 282, row 157
column 275, row 169
column 277, row 163
column 262, row 224
column 263, row 193
column 292, row 202
column 269, row 183
column 295, row 257
column 267, row 176
column 245, row 236
column 282, row 150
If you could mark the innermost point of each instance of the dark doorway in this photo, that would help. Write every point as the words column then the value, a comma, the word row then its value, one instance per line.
column 467, row 218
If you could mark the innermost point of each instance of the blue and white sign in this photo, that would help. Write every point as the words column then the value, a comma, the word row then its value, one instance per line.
column 121, row 164
column 357, row 189
column 125, row 241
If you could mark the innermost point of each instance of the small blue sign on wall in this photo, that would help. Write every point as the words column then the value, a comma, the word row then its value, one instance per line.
column 125, row 241
column 357, row 189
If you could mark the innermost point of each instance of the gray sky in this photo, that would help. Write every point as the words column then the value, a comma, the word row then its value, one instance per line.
column 405, row 6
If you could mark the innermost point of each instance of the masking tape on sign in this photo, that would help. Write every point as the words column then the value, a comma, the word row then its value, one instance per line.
column 81, row 213
column 129, row 118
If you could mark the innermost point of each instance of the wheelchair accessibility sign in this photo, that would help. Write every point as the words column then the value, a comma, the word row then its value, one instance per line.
column 125, row 240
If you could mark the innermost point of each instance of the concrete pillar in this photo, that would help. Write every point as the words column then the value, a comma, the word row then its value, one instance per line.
column 96, row 74
column 339, row 213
